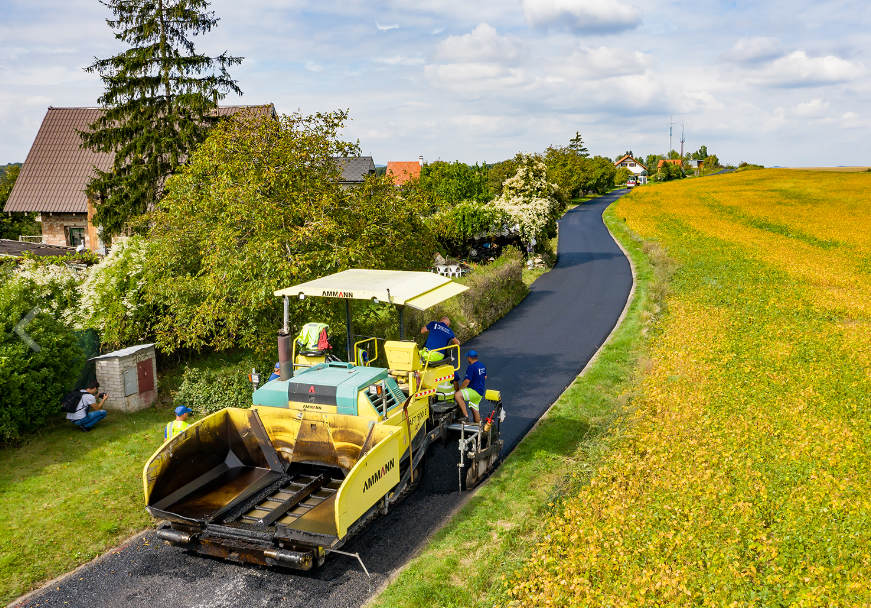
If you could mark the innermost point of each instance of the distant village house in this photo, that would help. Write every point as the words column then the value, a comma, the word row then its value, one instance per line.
column 637, row 168
column 355, row 170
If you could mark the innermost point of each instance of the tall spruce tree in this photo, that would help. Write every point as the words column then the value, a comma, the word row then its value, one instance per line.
column 576, row 146
column 159, row 101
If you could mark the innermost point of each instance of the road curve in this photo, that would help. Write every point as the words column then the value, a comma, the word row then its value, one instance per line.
column 532, row 355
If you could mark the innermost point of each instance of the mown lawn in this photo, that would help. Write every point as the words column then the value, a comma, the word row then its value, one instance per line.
column 744, row 479
column 466, row 562
column 68, row 496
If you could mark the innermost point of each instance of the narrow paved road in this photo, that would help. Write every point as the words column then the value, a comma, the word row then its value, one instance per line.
column 531, row 356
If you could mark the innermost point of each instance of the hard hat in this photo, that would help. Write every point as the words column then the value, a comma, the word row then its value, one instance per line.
column 182, row 410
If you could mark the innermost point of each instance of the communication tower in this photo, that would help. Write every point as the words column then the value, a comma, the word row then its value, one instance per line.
column 681, row 139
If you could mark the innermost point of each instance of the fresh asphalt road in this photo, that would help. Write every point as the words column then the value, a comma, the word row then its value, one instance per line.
column 531, row 355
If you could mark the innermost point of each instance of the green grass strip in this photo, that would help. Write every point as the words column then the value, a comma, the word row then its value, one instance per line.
column 464, row 563
column 68, row 496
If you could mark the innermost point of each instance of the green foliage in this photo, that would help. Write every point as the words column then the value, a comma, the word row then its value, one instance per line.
column 499, row 172
column 712, row 161
column 463, row 221
column 494, row 289
column 18, row 223
column 533, row 203
column 599, row 175
column 745, row 166
column 207, row 391
column 33, row 381
column 113, row 294
column 673, row 155
column 668, row 172
column 442, row 185
column 652, row 161
column 622, row 175
column 158, row 106
column 258, row 208
column 576, row 146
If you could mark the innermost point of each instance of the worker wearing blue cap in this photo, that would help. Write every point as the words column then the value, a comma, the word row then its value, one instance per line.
column 472, row 389
column 179, row 424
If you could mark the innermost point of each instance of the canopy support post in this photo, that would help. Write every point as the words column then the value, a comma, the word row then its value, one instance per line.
column 349, row 330
column 401, row 310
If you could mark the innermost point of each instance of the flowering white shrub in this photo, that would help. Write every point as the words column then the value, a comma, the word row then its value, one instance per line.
column 530, row 200
column 55, row 287
column 111, row 295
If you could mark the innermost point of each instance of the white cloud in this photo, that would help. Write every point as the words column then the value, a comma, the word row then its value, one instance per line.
column 581, row 16
column 798, row 70
column 482, row 44
column 311, row 66
column 384, row 28
column 813, row 108
column 602, row 62
column 755, row 50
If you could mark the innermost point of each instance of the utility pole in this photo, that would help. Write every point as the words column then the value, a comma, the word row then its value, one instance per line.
column 670, row 146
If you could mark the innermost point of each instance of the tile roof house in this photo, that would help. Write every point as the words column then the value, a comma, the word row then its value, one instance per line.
column 404, row 171
column 637, row 168
column 57, row 169
column 355, row 169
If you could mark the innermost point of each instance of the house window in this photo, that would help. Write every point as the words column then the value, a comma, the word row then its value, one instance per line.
column 631, row 164
column 77, row 237
column 622, row 164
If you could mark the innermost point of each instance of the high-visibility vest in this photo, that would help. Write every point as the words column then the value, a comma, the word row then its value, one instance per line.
column 309, row 335
column 174, row 428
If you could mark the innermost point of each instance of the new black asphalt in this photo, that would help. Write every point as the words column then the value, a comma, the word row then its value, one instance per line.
column 531, row 355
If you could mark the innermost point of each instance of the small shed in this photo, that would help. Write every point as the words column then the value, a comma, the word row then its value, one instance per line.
column 129, row 376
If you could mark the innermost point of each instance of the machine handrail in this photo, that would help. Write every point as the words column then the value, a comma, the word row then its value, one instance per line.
column 448, row 347
column 375, row 339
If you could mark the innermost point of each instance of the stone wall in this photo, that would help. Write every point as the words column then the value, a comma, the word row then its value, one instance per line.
column 56, row 227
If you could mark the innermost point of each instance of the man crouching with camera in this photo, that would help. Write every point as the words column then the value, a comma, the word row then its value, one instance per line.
column 83, row 418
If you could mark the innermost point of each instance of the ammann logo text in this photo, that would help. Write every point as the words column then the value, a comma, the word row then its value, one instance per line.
column 377, row 475
column 338, row 294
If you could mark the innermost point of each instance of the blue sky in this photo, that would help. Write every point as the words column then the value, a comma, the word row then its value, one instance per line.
column 777, row 83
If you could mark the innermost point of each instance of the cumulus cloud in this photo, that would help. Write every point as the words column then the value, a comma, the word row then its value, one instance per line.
column 482, row 44
column 797, row 69
column 581, row 16
column 764, row 61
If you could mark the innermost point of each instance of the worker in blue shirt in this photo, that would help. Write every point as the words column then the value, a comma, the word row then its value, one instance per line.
column 472, row 389
column 440, row 335
column 276, row 372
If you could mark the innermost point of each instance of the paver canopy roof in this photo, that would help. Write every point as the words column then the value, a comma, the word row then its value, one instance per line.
column 57, row 169
column 419, row 290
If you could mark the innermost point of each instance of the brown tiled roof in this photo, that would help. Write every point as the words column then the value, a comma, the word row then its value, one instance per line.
column 403, row 171
column 57, row 169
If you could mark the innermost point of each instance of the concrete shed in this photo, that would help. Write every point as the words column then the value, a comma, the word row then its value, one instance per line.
column 129, row 376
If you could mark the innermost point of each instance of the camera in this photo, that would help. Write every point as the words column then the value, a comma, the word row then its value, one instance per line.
column 101, row 395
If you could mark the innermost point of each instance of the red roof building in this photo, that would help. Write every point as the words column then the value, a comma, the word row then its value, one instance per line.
column 403, row 171
column 671, row 161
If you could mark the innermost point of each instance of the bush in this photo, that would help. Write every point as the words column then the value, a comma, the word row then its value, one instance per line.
column 33, row 381
column 206, row 391
column 494, row 289
column 112, row 295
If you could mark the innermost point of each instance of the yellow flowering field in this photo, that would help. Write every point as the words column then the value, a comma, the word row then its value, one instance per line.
column 745, row 476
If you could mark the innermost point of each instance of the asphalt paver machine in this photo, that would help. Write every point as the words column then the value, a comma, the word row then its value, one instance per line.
column 324, row 448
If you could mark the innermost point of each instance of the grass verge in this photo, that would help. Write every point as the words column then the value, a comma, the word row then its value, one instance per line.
column 465, row 562
column 68, row 496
